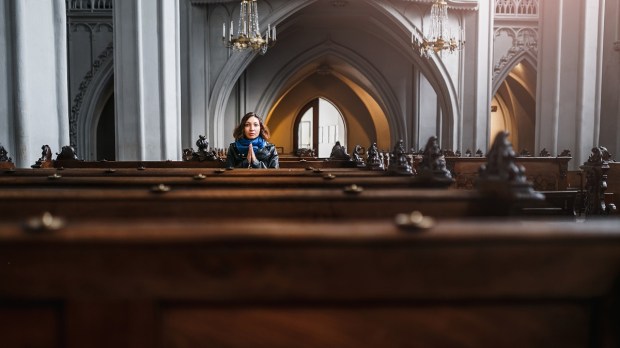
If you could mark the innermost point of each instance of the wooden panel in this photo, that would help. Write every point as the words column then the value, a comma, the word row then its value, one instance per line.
column 27, row 326
column 613, row 183
column 102, row 324
column 545, row 173
column 228, row 203
column 474, row 325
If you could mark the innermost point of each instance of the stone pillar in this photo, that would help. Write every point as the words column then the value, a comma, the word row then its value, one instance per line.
column 610, row 98
column 569, row 77
column 33, row 92
column 147, row 79
column 477, row 79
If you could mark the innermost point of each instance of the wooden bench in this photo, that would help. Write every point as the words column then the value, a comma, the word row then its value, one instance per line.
column 352, row 202
column 278, row 284
column 545, row 173
column 613, row 184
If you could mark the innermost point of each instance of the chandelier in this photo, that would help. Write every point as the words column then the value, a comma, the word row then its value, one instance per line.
column 440, row 36
column 248, row 34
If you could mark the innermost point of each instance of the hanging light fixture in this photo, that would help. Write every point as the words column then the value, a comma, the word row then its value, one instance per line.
column 248, row 32
column 440, row 36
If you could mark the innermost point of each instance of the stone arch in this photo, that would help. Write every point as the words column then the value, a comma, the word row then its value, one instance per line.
column 383, row 95
column 433, row 69
column 97, row 94
column 523, row 56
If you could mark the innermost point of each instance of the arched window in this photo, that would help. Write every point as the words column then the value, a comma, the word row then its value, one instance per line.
column 318, row 126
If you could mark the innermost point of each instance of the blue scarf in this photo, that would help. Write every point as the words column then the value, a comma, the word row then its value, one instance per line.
column 243, row 144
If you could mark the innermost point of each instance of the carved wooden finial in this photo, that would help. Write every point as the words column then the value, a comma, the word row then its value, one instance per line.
column 203, row 153
column 565, row 153
column 544, row 153
column 46, row 158
column 373, row 159
column 398, row 160
column 6, row 162
column 67, row 153
column 596, row 168
column 358, row 151
column 448, row 153
column 524, row 153
column 501, row 178
column 433, row 163
column 4, row 155
column 339, row 152
column 305, row 153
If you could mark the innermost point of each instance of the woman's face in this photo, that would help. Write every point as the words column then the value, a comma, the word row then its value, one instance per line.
column 251, row 129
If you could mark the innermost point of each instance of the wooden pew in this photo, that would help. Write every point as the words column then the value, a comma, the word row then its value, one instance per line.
column 613, row 184
column 546, row 173
column 162, row 202
column 277, row 284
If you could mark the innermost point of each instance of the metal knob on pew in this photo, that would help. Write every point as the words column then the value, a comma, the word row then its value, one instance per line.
column 353, row 189
column 161, row 188
column 329, row 176
column 45, row 222
column 54, row 176
column 414, row 221
column 199, row 177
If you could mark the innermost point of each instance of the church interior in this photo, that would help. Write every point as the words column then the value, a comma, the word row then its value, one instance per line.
column 447, row 173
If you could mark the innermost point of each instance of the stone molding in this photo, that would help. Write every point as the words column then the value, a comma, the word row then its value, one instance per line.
column 84, row 85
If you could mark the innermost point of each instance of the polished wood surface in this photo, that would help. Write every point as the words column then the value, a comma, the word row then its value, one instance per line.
column 279, row 283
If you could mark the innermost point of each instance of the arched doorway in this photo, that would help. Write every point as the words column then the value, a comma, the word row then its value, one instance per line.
column 106, row 130
column 318, row 126
column 513, row 106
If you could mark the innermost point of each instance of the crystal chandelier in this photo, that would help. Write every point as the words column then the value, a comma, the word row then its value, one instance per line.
column 248, row 34
column 440, row 37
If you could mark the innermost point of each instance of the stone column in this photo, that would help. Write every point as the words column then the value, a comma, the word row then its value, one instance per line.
column 33, row 92
column 476, row 87
column 569, row 77
column 147, row 79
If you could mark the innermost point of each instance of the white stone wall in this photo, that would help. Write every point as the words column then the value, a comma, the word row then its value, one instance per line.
column 6, row 81
column 35, row 95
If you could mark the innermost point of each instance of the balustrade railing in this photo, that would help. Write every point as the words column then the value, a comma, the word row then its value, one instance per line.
column 89, row 5
column 516, row 8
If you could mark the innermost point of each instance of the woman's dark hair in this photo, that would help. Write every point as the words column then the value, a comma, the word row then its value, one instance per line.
column 264, row 131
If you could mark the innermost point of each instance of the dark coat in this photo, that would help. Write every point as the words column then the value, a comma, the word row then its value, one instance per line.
column 267, row 157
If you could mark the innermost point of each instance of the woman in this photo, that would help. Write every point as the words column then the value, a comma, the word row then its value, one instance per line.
column 251, row 149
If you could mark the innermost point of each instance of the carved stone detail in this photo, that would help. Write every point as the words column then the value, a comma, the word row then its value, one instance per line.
column 596, row 168
column 524, row 39
column 84, row 85
column 398, row 160
column 203, row 153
